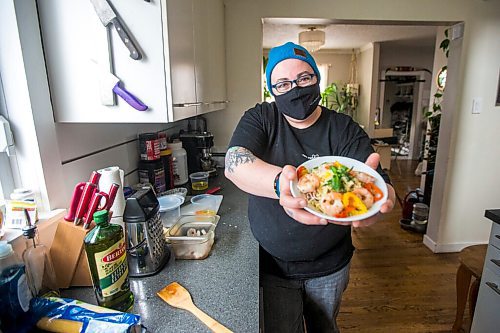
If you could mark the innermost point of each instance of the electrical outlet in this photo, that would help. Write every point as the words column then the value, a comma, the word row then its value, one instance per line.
column 476, row 105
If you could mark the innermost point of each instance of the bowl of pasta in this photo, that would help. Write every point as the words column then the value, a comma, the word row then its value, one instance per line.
column 339, row 188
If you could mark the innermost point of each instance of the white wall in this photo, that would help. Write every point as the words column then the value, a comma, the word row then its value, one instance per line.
column 392, row 55
column 440, row 60
column 475, row 139
column 367, row 76
column 339, row 64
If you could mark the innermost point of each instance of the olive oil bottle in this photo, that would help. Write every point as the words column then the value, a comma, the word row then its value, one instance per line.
column 107, row 257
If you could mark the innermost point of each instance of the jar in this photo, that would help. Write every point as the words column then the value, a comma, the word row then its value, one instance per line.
column 149, row 146
column 152, row 172
column 420, row 213
column 166, row 159
column 179, row 163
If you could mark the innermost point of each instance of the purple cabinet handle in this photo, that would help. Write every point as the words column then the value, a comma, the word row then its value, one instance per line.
column 129, row 98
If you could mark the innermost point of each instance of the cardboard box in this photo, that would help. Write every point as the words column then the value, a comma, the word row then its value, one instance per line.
column 69, row 257
column 385, row 155
column 382, row 133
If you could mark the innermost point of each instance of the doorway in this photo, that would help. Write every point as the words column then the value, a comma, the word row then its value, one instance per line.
column 401, row 104
column 386, row 52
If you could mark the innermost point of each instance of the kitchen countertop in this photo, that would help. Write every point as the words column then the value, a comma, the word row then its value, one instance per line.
column 493, row 215
column 225, row 285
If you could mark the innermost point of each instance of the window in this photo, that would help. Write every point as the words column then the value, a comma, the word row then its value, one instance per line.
column 7, row 160
column 323, row 71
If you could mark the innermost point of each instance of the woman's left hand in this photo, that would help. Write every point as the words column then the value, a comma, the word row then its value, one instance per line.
column 372, row 161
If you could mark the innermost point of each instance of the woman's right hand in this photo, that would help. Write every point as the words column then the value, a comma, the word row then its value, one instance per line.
column 294, row 207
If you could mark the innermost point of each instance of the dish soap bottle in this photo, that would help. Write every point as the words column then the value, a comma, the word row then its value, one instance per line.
column 39, row 267
column 15, row 296
column 107, row 257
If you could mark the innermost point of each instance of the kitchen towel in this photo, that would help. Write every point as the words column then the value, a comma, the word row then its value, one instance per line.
column 109, row 176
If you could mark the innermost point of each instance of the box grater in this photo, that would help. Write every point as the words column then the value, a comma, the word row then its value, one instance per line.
column 147, row 251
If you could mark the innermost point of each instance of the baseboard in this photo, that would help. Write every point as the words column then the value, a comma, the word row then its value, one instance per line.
column 445, row 248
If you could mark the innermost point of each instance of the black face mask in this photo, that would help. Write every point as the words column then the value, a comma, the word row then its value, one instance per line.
column 300, row 102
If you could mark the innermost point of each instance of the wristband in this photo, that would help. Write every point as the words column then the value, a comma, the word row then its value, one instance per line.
column 277, row 184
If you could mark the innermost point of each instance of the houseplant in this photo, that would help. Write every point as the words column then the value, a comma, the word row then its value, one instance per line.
column 337, row 97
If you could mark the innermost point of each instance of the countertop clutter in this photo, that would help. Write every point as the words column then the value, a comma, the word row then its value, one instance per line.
column 225, row 285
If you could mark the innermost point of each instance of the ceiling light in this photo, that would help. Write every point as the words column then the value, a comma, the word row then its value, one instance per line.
column 312, row 39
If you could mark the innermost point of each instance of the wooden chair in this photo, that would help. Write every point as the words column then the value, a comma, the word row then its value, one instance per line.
column 471, row 264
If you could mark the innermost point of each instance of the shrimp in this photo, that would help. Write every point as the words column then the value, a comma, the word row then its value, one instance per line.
column 308, row 183
column 331, row 203
column 365, row 196
column 363, row 177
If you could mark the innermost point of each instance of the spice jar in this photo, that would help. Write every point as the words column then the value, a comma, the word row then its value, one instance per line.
column 149, row 146
column 168, row 167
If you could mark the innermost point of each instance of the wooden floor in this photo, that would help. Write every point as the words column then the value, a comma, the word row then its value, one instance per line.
column 397, row 284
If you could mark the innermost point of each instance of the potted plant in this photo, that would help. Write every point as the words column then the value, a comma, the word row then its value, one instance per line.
column 338, row 97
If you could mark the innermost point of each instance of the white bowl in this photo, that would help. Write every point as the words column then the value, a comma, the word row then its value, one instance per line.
column 357, row 166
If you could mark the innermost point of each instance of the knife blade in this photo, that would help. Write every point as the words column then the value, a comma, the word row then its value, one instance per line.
column 113, row 83
column 108, row 16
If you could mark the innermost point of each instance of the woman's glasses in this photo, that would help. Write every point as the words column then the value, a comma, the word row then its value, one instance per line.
column 302, row 81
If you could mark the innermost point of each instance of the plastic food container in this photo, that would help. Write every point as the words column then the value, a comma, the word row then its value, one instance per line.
column 192, row 237
column 204, row 204
column 178, row 190
column 199, row 181
column 170, row 208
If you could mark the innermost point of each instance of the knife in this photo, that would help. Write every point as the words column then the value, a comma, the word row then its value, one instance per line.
column 113, row 83
column 107, row 15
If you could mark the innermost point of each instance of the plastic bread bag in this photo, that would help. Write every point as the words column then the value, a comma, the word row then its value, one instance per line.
column 65, row 315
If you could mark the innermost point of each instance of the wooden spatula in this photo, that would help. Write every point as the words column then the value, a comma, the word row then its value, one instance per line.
column 177, row 296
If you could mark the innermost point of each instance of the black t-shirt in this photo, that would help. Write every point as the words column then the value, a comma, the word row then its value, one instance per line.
column 298, row 250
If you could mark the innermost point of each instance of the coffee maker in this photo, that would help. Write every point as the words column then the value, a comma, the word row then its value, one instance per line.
column 198, row 143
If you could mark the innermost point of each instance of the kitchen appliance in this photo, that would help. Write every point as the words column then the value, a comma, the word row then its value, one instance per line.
column 198, row 143
column 147, row 251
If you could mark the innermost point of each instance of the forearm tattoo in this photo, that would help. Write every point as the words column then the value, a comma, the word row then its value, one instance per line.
column 236, row 156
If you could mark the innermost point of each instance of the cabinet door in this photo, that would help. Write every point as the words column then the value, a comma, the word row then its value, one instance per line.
column 210, row 54
column 486, row 317
column 181, row 49
column 78, row 55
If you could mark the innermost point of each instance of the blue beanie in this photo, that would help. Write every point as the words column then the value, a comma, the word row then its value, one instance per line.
column 288, row 51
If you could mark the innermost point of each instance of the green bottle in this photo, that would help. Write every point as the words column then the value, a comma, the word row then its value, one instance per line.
column 107, row 257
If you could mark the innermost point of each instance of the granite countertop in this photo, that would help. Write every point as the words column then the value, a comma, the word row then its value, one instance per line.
column 493, row 215
column 225, row 285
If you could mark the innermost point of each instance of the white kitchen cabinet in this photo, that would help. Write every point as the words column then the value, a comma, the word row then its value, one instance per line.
column 209, row 54
column 201, row 52
column 486, row 317
column 175, row 77
column 181, row 49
